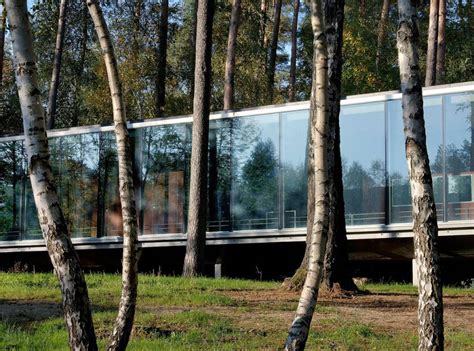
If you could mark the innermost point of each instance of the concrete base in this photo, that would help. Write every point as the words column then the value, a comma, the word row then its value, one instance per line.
column 218, row 270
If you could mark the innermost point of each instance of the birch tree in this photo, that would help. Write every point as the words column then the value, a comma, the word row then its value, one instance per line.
column 196, row 241
column 58, row 53
column 124, row 321
column 425, row 226
column 299, row 329
column 75, row 297
column 230, row 57
column 294, row 32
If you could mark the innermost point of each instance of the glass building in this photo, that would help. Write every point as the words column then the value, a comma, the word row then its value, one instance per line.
column 257, row 170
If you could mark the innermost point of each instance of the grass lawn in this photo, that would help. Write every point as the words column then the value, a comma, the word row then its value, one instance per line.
column 224, row 314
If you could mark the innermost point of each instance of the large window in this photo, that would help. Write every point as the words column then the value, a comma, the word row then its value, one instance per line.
column 363, row 163
column 294, row 130
column 255, row 173
column 163, row 153
column 459, row 155
column 400, row 198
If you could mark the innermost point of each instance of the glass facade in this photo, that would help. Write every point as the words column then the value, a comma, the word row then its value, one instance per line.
column 257, row 171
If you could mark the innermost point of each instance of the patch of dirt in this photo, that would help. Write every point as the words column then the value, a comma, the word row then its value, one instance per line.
column 28, row 311
column 386, row 311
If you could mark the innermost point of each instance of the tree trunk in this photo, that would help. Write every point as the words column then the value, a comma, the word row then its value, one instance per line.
column 76, row 306
column 124, row 322
column 299, row 330
column 2, row 38
column 161, row 59
column 441, row 49
column 58, row 53
column 230, row 58
column 336, row 274
column 273, row 51
column 192, row 54
column 263, row 23
column 294, row 32
column 425, row 227
column 382, row 31
column 430, row 78
column 196, row 242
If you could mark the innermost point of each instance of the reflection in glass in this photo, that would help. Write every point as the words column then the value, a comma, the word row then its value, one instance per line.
column 165, row 153
column 12, row 188
column 255, row 173
column 459, row 155
column 294, row 168
column 220, row 173
column 400, row 198
column 363, row 163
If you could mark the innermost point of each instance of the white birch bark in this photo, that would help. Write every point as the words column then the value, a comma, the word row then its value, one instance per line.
column 425, row 227
column 124, row 321
column 75, row 299
column 299, row 330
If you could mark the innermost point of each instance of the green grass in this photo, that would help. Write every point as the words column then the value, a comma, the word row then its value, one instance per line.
column 204, row 314
column 398, row 288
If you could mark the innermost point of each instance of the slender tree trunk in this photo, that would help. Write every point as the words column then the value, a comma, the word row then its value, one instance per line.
column 294, row 32
column 299, row 330
column 230, row 58
column 382, row 31
column 263, row 23
column 273, row 51
column 196, row 242
column 336, row 274
column 161, row 61
column 441, row 49
column 58, row 53
column 425, row 227
column 3, row 28
column 76, row 306
column 124, row 322
column 430, row 78
column 192, row 54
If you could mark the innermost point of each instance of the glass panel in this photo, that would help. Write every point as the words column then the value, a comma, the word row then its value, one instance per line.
column 255, row 172
column 460, row 155
column 220, row 174
column 294, row 168
column 400, row 198
column 363, row 163
column 12, row 188
column 75, row 163
column 164, row 162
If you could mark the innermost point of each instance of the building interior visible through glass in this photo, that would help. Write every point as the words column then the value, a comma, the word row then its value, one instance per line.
column 257, row 170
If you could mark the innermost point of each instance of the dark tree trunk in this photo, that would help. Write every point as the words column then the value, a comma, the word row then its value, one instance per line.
column 192, row 54
column 58, row 53
column 382, row 31
column 3, row 28
column 76, row 305
column 425, row 226
column 230, row 58
column 336, row 274
column 294, row 32
column 161, row 59
column 196, row 242
column 430, row 78
column 441, row 49
column 273, row 51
